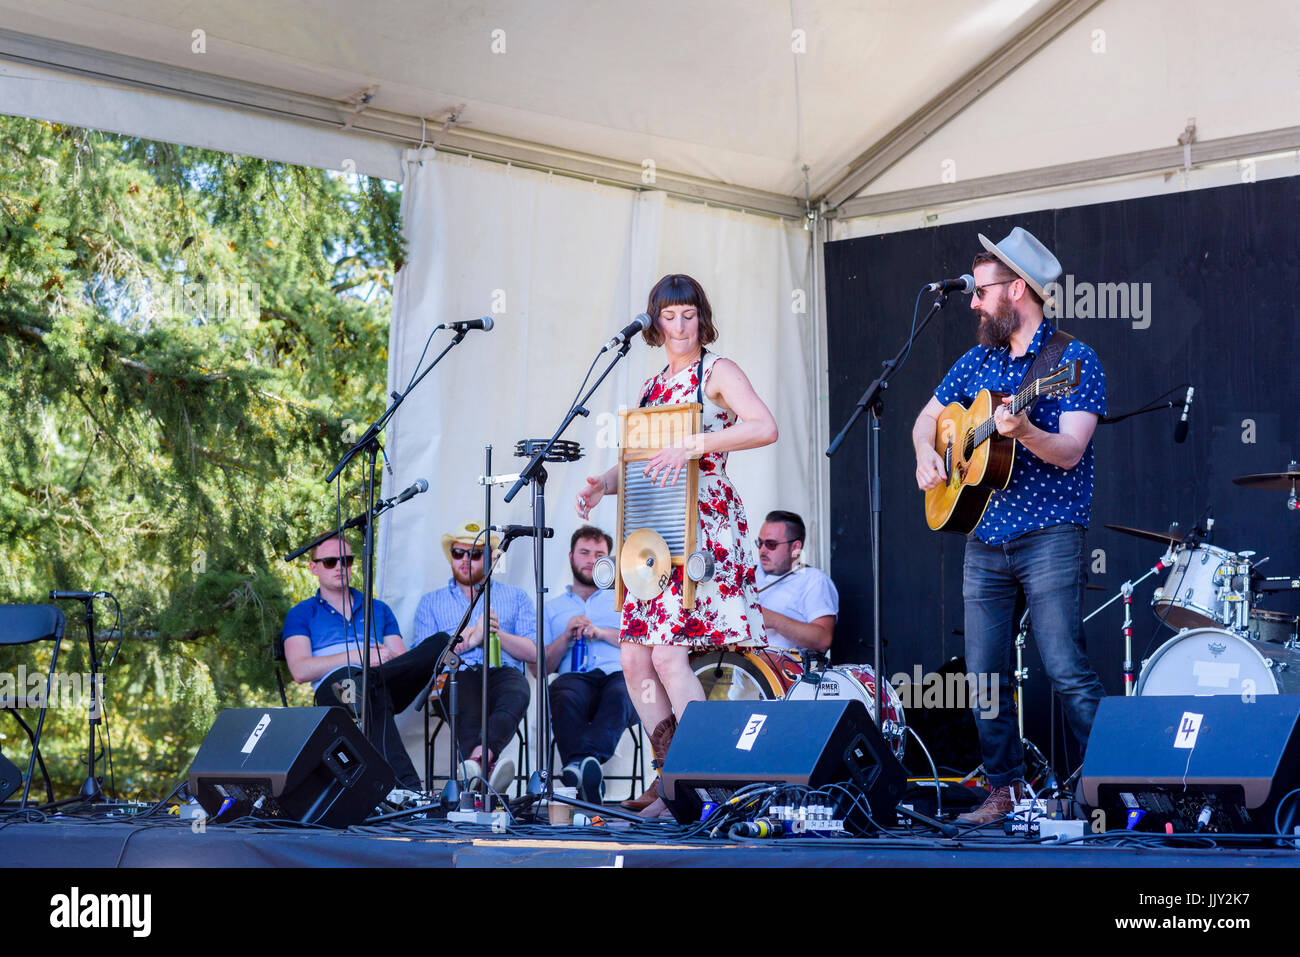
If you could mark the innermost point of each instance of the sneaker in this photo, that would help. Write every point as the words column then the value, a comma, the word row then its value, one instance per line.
column 1000, row 802
column 593, row 781
column 469, row 770
column 503, row 775
column 571, row 775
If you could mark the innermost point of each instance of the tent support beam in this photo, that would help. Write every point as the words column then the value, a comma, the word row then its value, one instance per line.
column 343, row 115
column 1165, row 159
column 920, row 125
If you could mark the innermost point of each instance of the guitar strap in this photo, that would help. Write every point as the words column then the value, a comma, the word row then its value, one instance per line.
column 1049, row 357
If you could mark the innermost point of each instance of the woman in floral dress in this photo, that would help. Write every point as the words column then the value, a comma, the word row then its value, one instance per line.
column 658, row 635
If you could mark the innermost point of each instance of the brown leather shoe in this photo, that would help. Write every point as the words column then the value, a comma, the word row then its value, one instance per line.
column 1000, row 802
column 660, row 738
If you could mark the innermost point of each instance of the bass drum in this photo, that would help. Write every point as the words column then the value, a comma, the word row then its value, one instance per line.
column 856, row 681
column 762, row 675
column 1209, row 661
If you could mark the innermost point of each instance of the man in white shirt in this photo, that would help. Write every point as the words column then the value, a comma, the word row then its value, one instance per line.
column 799, row 602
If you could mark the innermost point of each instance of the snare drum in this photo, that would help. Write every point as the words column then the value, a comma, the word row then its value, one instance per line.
column 856, row 681
column 1209, row 661
column 1208, row 587
column 760, row 675
column 1275, row 626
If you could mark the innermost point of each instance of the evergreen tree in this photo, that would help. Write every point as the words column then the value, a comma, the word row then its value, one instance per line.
column 186, row 339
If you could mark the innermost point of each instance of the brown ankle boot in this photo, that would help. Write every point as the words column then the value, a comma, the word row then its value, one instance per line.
column 660, row 738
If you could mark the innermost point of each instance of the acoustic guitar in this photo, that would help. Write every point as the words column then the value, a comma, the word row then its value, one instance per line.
column 977, row 458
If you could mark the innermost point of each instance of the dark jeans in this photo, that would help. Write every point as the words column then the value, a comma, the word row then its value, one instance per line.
column 393, row 686
column 508, row 696
column 589, row 712
column 1048, row 564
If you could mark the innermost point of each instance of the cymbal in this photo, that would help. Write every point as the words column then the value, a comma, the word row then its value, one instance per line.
column 645, row 564
column 1281, row 481
column 1162, row 537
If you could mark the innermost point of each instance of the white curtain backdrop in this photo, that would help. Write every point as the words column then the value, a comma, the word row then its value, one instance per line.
column 561, row 265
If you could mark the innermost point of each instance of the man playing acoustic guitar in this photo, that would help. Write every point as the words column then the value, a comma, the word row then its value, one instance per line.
column 1031, row 533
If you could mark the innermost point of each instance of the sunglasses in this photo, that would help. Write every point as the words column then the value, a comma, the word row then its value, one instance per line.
column 475, row 555
column 981, row 291
column 330, row 563
column 771, row 543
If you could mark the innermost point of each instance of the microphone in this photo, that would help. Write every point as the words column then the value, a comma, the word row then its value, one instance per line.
column 76, row 595
column 640, row 324
column 484, row 323
column 521, row 531
column 964, row 284
column 1180, row 430
column 418, row 486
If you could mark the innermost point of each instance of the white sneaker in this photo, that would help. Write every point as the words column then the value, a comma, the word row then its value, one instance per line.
column 503, row 775
column 469, row 770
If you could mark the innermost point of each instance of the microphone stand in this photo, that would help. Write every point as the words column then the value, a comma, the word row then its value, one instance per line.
column 451, row 659
column 873, row 399
column 535, row 473
column 369, row 444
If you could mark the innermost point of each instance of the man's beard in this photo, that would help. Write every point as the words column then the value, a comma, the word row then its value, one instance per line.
column 466, row 579
column 995, row 328
column 581, row 577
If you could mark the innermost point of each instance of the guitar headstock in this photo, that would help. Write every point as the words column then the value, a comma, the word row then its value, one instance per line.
column 1062, row 379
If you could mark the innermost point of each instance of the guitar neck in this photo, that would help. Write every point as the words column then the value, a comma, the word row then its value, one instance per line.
column 1024, row 399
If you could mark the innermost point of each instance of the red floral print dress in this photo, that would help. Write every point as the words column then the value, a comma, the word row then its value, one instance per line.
column 727, row 612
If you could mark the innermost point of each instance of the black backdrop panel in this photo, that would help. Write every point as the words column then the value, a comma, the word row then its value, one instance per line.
column 1221, row 265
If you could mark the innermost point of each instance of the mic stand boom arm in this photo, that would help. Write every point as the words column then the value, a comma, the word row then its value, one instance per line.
column 534, row 472
column 369, row 442
column 873, row 399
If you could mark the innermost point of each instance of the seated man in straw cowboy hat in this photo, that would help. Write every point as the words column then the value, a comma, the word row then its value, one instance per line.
column 510, row 640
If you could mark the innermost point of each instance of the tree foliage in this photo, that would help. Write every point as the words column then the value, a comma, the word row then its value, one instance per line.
column 185, row 339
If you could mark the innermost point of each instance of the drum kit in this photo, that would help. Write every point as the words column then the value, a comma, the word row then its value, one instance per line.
column 1225, row 642
column 770, row 674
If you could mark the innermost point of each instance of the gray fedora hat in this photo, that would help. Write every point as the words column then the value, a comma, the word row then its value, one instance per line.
column 1028, row 258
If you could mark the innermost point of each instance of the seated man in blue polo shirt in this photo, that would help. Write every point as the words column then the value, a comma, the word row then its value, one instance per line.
column 514, row 622
column 324, row 638
column 590, row 706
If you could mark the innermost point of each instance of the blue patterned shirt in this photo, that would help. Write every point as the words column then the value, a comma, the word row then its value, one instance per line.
column 443, row 609
column 1039, row 494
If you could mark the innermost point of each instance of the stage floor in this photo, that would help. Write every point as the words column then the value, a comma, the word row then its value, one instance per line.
column 89, row 843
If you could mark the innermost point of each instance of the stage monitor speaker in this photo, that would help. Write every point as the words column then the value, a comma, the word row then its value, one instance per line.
column 721, row 746
column 303, row 764
column 10, row 778
column 1212, row 762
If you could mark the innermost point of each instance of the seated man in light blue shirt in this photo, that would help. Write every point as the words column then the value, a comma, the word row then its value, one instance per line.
column 324, row 638
column 514, row 621
column 590, row 707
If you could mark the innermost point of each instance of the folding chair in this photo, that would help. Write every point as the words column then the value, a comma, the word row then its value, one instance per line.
column 25, row 625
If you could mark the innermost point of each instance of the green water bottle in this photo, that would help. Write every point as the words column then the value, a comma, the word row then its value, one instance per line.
column 494, row 650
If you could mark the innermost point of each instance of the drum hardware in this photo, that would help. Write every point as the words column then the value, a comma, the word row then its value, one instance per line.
column 1125, row 593
column 1038, row 769
column 1287, row 481
column 1172, row 537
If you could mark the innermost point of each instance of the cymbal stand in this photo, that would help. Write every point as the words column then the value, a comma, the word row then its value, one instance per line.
column 1125, row 593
